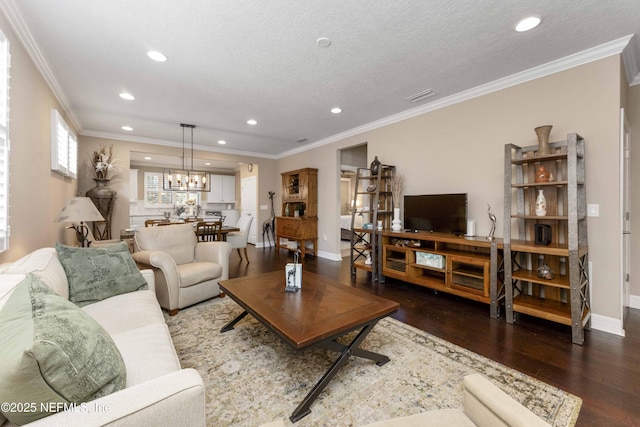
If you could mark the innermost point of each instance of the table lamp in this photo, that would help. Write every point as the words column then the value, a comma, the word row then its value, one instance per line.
column 78, row 211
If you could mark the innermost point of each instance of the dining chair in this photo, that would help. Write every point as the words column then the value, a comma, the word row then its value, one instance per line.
column 156, row 222
column 238, row 239
column 209, row 231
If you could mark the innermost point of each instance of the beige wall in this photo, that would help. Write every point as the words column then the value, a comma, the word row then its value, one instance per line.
column 460, row 149
column 36, row 194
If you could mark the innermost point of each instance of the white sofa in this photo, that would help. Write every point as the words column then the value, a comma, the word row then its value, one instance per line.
column 158, row 391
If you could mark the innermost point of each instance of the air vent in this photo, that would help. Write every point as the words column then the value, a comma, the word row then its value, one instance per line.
column 302, row 140
column 421, row 95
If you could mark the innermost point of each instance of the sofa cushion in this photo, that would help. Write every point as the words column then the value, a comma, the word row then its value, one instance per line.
column 198, row 272
column 8, row 283
column 98, row 273
column 52, row 352
column 126, row 311
column 148, row 353
column 43, row 263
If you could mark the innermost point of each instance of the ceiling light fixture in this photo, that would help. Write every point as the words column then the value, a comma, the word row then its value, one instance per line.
column 336, row 110
column 252, row 122
column 185, row 179
column 528, row 23
column 147, row 158
column 222, row 142
column 156, row 56
column 127, row 128
column 127, row 96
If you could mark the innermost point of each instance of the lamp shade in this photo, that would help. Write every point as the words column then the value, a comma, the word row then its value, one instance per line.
column 79, row 209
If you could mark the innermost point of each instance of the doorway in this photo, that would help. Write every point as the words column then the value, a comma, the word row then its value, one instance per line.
column 351, row 159
column 248, row 196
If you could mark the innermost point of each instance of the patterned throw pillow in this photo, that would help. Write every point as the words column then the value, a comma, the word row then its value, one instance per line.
column 52, row 354
column 95, row 274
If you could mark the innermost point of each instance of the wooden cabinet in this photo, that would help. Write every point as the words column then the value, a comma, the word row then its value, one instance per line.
column 298, row 224
column 464, row 266
column 564, row 298
column 223, row 189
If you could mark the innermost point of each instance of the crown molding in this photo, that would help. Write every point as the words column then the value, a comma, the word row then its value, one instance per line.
column 14, row 16
column 174, row 144
column 631, row 60
column 596, row 53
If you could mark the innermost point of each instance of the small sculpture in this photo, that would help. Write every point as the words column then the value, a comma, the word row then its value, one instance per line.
column 493, row 219
column 269, row 226
column 544, row 271
column 293, row 281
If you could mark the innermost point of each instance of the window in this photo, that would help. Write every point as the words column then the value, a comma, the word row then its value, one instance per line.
column 64, row 147
column 4, row 142
column 155, row 197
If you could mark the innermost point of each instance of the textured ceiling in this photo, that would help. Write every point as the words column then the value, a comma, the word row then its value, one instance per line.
column 233, row 60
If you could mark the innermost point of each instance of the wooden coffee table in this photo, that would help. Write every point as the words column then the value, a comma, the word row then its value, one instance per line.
column 314, row 317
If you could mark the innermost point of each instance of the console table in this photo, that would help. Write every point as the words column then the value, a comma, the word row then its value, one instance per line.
column 470, row 267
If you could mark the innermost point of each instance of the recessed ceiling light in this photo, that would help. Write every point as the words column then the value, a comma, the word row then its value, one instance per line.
column 156, row 56
column 528, row 23
column 252, row 122
column 323, row 42
column 127, row 128
column 207, row 163
column 336, row 110
column 147, row 158
column 127, row 96
column 222, row 142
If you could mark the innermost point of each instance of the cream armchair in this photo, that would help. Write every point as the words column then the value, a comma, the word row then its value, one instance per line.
column 186, row 271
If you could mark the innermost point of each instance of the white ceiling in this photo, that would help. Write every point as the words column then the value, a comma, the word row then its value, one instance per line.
column 232, row 60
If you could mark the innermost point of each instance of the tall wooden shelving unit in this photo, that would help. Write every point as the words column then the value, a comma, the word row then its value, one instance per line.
column 565, row 298
column 377, row 205
column 298, row 223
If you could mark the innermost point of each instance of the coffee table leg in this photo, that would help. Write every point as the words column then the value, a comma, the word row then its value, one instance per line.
column 229, row 326
column 303, row 408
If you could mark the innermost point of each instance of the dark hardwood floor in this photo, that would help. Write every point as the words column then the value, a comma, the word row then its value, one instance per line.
column 604, row 372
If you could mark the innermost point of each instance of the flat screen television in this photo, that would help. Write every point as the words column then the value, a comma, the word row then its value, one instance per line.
column 442, row 213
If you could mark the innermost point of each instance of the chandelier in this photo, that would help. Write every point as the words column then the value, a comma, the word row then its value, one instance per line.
column 185, row 179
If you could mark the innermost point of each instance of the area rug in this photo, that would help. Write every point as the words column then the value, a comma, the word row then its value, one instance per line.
column 253, row 377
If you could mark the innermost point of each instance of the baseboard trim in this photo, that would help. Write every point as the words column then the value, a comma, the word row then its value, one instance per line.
column 607, row 324
column 330, row 256
column 634, row 301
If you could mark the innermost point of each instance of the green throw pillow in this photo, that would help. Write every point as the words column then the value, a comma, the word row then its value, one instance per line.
column 95, row 274
column 52, row 354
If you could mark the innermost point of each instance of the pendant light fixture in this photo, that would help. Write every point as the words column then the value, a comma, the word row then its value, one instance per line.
column 185, row 179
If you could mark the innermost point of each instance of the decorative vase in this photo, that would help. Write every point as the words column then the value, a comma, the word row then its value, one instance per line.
column 396, row 224
column 103, row 197
column 541, row 204
column 543, row 139
column 544, row 271
column 375, row 166
column 542, row 174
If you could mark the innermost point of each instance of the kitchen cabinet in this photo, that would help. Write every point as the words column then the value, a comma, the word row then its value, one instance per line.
column 223, row 189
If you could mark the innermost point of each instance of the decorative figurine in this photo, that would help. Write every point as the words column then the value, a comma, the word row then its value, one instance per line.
column 293, row 274
column 493, row 219
column 544, row 271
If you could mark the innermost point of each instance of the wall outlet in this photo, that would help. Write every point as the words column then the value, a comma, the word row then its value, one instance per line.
column 264, row 207
column 324, row 237
column 593, row 210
